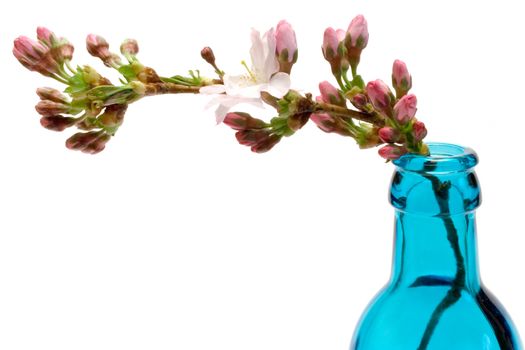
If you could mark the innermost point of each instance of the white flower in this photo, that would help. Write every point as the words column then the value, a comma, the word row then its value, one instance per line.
column 264, row 75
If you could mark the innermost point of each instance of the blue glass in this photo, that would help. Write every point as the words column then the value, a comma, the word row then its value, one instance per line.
column 435, row 299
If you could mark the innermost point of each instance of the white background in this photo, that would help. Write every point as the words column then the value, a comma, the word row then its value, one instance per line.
column 176, row 237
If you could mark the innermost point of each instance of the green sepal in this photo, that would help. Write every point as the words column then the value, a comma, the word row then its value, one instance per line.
column 111, row 95
column 280, row 127
column 122, row 97
column 358, row 82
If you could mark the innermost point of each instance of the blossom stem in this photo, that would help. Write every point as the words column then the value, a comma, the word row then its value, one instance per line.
column 454, row 293
column 63, row 73
column 68, row 65
column 345, row 112
column 59, row 79
column 340, row 82
column 345, row 77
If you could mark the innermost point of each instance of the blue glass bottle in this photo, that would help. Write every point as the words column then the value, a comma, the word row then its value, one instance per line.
column 435, row 299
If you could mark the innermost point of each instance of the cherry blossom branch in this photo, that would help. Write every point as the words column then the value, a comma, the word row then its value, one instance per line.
column 97, row 107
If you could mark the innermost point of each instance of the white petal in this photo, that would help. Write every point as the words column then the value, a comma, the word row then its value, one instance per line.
column 279, row 85
column 241, row 86
column 234, row 84
column 257, row 49
column 215, row 101
column 257, row 102
column 228, row 102
column 220, row 113
column 271, row 64
column 212, row 89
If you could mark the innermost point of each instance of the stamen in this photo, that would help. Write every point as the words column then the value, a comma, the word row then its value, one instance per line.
column 250, row 73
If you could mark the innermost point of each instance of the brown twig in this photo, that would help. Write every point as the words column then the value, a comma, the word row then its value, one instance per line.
column 345, row 112
column 169, row 88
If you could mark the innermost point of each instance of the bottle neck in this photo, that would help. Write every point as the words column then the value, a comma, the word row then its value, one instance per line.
column 435, row 250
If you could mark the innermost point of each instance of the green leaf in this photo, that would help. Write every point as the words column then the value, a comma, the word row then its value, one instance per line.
column 77, row 83
column 194, row 79
column 128, row 72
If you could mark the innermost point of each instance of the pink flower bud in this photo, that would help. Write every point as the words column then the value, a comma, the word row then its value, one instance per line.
column 380, row 96
column 98, row 145
column 419, row 131
column 25, row 48
column 129, row 47
column 331, row 49
column 208, row 55
column 251, row 137
column 358, row 32
column 324, row 121
column 243, row 121
column 259, row 140
column 46, row 36
column 388, row 134
column 328, row 123
column 391, row 152
column 266, row 144
column 360, row 101
column 330, row 94
column 355, row 41
column 49, row 108
column 341, row 35
column 405, row 109
column 330, row 44
column 34, row 56
column 401, row 79
column 97, row 46
column 88, row 142
column 286, row 43
column 60, row 48
column 57, row 122
column 47, row 93
column 63, row 51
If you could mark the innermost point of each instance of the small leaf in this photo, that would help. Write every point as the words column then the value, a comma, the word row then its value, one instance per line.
column 128, row 72
column 77, row 83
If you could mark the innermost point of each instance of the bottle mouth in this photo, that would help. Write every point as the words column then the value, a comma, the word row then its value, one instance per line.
column 443, row 158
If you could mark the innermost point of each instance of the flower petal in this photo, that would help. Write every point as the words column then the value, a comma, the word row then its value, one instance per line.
column 242, row 86
column 257, row 50
column 214, row 101
column 234, row 84
column 271, row 63
column 279, row 85
column 212, row 89
column 227, row 102
column 220, row 113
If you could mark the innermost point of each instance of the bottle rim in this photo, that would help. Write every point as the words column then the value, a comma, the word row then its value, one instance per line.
column 443, row 158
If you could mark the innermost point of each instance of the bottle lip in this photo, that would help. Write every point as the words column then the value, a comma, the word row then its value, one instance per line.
column 443, row 158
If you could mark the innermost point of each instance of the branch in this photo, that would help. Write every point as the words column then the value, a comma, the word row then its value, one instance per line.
column 345, row 112
column 169, row 88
